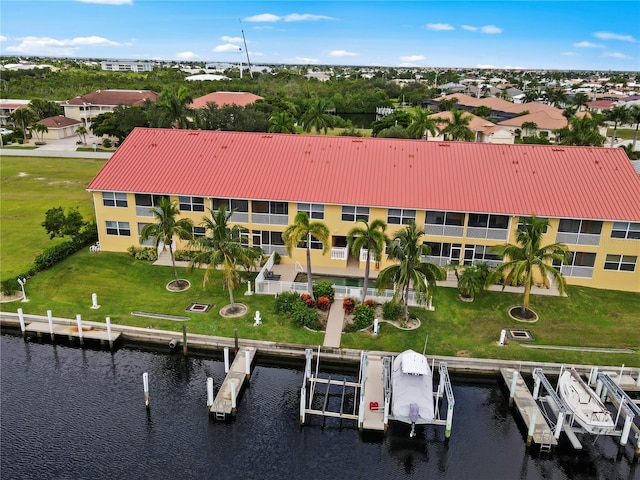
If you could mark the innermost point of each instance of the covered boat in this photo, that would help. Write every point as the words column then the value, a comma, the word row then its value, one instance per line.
column 412, row 389
column 585, row 405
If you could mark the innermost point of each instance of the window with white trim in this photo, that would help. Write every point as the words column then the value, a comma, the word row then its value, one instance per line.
column 521, row 223
column 580, row 264
column 621, row 263
column 352, row 213
column 399, row 216
column 191, row 204
column 314, row 210
column 626, row 230
column 197, row 232
column 114, row 199
column 240, row 206
column 121, row 229
column 145, row 202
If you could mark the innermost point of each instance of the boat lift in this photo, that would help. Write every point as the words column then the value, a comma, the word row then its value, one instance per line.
column 606, row 387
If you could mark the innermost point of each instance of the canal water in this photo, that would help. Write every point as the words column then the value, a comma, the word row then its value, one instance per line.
column 71, row 413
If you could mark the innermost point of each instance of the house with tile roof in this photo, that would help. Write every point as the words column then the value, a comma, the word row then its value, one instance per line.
column 465, row 197
column 59, row 127
column 87, row 107
column 484, row 130
column 8, row 106
column 242, row 99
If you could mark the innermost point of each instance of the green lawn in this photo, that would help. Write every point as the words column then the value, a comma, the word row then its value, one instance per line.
column 622, row 133
column 587, row 317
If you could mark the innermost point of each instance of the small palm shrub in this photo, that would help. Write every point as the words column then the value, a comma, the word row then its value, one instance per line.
column 391, row 310
column 363, row 317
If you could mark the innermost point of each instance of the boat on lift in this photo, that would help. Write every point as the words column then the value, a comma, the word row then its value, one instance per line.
column 587, row 409
column 412, row 390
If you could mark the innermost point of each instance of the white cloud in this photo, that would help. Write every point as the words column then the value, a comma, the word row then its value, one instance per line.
column 228, row 39
column 108, row 2
column 569, row 54
column 614, row 36
column 263, row 17
column 585, row 44
column 439, row 26
column 186, row 56
column 480, row 65
column 52, row 46
column 306, row 60
column 615, row 55
column 304, row 17
column 469, row 28
column 342, row 53
column 490, row 29
column 227, row 47
column 412, row 58
column 3, row 38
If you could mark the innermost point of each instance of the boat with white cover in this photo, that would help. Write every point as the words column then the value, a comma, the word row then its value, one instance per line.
column 587, row 408
column 412, row 389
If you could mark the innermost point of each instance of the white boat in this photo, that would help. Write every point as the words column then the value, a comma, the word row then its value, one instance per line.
column 412, row 389
column 587, row 408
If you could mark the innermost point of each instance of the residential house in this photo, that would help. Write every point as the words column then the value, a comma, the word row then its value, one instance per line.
column 464, row 196
column 7, row 107
column 86, row 107
column 483, row 130
column 242, row 99
column 59, row 127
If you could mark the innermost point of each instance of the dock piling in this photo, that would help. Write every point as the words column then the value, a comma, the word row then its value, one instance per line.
column 23, row 327
column 209, row 392
column 234, row 406
column 247, row 364
column 110, row 338
column 79, row 320
column 226, row 360
column 50, row 319
column 447, row 428
column 532, row 426
column 184, row 339
column 145, row 385
column 235, row 340
column 512, row 389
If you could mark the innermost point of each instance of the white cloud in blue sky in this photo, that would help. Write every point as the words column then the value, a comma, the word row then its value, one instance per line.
column 461, row 33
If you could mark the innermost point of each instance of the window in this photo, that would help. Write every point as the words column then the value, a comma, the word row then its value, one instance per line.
column 621, row 263
column 579, row 232
column 191, row 204
column 628, row 230
column 580, row 264
column 149, row 242
column 240, row 206
column 270, row 213
column 483, row 225
column 397, row 216
column 521, row 223
column 314, row 244
column 118, row 228
column 269, row 241
column 480, row 253
column 114, row 199
column 352, row 213
column 444, row 223
column 197, row 232
column 145, row 202
column 314, row 210
column 478, row 220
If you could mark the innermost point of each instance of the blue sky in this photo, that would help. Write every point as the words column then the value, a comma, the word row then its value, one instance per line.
column 502, row 34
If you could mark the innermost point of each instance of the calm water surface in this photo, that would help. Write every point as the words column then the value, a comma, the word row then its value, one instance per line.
column 69, row 413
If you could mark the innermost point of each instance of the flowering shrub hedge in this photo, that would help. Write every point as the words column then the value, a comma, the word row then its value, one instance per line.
column 348, row 304
column 324, row 303
column 308, row 300
column 370, row 303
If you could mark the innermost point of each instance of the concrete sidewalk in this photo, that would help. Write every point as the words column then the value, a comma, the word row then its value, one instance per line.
column 335, row 322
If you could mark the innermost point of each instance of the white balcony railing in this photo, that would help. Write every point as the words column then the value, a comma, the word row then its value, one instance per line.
column 339, row 253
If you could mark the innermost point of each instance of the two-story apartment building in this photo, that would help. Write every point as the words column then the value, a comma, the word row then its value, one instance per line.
column 466, row 197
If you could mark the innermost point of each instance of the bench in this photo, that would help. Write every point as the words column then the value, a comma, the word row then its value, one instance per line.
column 269, row 275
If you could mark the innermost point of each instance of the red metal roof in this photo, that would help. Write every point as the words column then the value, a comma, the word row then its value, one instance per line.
column 566, row 182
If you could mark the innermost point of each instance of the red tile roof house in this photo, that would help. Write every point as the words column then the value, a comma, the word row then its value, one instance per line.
column 59, row 127
column 242, row 99
column 465, row 196
column 87, row 107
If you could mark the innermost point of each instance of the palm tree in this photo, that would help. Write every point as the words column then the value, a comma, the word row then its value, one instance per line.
column 407, row 248
column 421, row 123
column 634, row 117
column 447, row 104
column 39, row 129
column 317, row 117
column 82, row 132
column 174, row 107
column 530, row 127
column 222, row 246
column 166, row 227
column 458, row 126
column 528, row 259
column 282, row 122
column 569, row 112
column 373, row 239
column 23, row 117
column 617, row 114
column 557, row 97
column 580, row 100
column 472, row 279
column 581, row 131
column 301, row 232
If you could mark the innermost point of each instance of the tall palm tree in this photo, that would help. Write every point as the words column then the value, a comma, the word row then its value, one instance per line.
column 82, row 132
column 316, row 116
column 407, row 248
column 174, row 107
column 23, row 117
column 617, row 114
column 372, row 237
column 39, row 129
column 282, row 122
column 581, row 131
column 458, row 126
column 528, row 259
column 301, row 231
column 530, row 127
column 421, row 123
column 634, row 117
column 222, row 246
column 166, row 227
column 580, row 100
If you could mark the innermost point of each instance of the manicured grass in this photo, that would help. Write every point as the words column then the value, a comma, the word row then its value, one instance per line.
column 31, row 186
column 622, row 133
column 21, row 147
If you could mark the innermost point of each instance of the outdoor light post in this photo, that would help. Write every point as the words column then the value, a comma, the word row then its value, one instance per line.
column 22, row 281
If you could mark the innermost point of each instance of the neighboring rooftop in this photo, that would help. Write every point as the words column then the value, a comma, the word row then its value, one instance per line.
column 59, row 121
column 565, row 182
column 242, row 99
column 114, row 98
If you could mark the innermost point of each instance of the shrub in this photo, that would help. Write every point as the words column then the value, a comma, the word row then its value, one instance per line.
column 52, row 255
column 184, row 255
column 308, row 300
column 144, row 253
column 276, row 258
column 324, row 289
column 285, row 302
column 370, row 303
column 9, row 286
column 106, row 143
column 324, row 303
column 303, row 316
column 391, row 310
column 348, row 305
column 363, row 317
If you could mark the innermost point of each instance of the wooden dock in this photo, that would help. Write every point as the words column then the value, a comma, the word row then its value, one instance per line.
column 71, row 331
column 542, row 434
column 373, row 384
column 239, row 371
